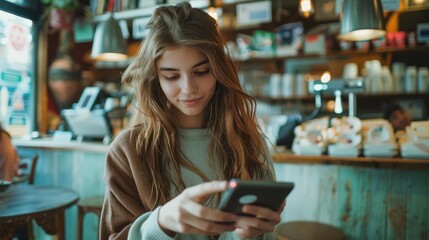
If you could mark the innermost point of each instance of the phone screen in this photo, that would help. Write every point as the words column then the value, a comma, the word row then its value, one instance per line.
column 261, row 193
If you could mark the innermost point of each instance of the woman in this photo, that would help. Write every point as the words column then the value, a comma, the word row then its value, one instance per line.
column 193, row 125
column 9, row 159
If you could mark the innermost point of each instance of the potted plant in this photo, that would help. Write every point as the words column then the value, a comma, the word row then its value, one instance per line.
column 60, row 14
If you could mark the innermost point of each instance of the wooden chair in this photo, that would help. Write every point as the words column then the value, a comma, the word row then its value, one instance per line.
column 88, row 205
column 27, row 168
column 307, row 230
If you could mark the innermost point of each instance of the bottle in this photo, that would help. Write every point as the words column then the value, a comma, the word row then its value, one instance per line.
column 398, row 70
column 387, row 80
column 288, row 85
column 375, row 77
column 423, row 80
column 411, row 79
column 275, row 81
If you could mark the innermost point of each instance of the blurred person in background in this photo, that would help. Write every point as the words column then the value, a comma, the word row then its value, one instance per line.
column 397, row 116
column 9, row 160
column 66, row 84
column 9, row 168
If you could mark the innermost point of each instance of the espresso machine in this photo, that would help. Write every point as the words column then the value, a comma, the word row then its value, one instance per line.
column 337, row 88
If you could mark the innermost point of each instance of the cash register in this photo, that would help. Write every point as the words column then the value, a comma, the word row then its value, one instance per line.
column 86, row 120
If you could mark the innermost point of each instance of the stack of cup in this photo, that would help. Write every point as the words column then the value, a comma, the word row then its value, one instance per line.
column 398, row 71
column 288, row 86
column 423, row 80
column 275, row 85
column 410, row 79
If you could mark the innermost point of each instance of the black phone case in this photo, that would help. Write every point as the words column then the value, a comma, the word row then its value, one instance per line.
column 261, row 193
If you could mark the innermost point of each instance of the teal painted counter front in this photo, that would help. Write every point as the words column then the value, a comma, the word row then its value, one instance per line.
column 366, row 201
column 77, row 166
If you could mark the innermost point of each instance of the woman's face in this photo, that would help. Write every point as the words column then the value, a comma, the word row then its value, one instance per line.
column 187, row 82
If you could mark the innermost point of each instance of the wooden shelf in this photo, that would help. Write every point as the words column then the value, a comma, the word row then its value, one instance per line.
column 229, row 3
column 396, row 162
column 145, row 12
column 359, row 95
column 338, row 54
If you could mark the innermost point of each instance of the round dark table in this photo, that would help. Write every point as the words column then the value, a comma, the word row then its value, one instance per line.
column 20, row 204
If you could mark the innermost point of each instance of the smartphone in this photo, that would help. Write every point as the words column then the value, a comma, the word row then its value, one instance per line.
column 262, row 193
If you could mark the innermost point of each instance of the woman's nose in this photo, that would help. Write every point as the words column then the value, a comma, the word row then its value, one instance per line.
column 188, row 85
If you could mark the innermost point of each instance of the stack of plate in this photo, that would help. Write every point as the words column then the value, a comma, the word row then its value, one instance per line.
column 344, row 137
column 415, row 142
column 343, row 150
column 380, row 149
column 379, row 139
column 418, row 150
column 310, row 137
column 300, row 147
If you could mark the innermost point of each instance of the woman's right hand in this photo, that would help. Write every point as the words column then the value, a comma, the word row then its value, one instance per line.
column 186, row 214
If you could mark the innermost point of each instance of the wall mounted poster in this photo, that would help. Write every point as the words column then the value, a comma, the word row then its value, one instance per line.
column 418, row 3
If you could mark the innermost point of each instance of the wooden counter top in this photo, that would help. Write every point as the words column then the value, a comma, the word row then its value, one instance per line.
column 49, row 143
column 395, row 162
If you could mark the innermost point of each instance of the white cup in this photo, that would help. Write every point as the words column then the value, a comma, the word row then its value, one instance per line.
column 375, row 77
column 411, row 79
column 275, row 85
column 350, row 71
column 423, row 80
column 301, row 86
column 288, row 85
column 398, row 71
column 387, row 80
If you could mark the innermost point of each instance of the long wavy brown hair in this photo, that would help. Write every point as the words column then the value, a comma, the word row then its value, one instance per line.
column 2, row 130
column 236, row 143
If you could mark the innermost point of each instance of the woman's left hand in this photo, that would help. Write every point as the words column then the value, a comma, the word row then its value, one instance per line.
column 265, row 220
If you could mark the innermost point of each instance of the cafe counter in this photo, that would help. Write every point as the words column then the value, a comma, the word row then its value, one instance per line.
column 369, row 198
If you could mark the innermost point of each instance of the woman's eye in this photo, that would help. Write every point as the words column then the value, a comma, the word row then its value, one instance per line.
column 171, row 77
column 200, row 73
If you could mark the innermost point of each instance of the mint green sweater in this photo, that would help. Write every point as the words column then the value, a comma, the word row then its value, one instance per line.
column 194, row 144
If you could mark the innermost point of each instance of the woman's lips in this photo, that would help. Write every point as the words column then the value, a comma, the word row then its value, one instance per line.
column 190, row 102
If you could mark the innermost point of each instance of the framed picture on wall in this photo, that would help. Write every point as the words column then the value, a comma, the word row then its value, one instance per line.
column 388, row 5
column 325, row 10
column 417, row 4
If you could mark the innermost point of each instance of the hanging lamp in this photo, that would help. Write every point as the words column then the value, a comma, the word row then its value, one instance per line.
column 306, row 8
column 361, row 20
column 109, row 44
column 212, row 10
